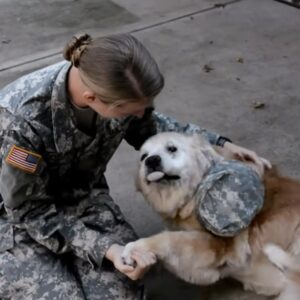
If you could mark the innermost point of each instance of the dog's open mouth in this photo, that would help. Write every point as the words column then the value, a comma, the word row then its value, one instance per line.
column 159, row 176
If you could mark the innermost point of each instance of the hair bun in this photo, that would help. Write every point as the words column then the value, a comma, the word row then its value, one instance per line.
column 75, row 47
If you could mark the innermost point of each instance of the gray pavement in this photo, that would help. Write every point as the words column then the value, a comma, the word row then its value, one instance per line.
column 251, row 94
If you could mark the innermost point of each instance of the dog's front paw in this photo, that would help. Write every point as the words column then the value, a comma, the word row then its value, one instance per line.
column 126, row 255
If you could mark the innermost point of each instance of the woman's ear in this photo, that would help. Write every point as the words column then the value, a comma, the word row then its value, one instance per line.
column 89, row 97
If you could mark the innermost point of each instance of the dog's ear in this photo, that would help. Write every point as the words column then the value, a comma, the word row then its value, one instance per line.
column 199, row 139
column 201, row 142
column 204, row 149
column 187, row 210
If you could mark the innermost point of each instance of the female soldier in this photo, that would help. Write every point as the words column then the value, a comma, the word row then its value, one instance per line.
column 59, row 127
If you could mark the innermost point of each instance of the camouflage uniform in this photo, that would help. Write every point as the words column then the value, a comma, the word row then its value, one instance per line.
column 56, row 217
column 229, row 197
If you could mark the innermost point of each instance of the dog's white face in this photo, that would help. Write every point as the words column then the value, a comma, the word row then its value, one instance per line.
column 171, row 167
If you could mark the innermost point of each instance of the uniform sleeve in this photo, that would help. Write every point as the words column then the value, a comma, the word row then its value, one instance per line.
column 153, row 122
column 29, row 204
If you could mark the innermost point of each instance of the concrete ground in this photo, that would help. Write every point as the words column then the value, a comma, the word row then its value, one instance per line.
column 251, row 93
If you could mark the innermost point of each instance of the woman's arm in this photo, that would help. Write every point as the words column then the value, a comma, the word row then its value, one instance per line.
column 140, row 129
column 24, row 188
column 154, row 122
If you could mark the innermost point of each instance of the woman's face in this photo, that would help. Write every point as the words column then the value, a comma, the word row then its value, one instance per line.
column 122, row 110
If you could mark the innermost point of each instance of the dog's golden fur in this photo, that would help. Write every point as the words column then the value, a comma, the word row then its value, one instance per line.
column 199, row 257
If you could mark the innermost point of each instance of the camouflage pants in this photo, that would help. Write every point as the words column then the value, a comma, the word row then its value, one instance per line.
column 31, row 271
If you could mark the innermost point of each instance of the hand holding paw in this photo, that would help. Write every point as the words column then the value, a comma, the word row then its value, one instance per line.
column 139, row 259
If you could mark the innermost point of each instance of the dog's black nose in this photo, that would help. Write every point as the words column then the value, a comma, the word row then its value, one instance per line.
column 153, row 161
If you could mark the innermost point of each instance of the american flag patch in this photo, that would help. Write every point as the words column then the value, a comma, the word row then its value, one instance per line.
column 23, row 159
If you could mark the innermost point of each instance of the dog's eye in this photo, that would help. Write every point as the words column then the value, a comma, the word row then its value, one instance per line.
column 144, row 156
column 172, row 149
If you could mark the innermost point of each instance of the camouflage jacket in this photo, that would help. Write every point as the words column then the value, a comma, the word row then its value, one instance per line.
column 61, row 162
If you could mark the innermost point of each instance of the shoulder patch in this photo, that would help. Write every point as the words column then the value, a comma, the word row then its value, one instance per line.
column 23, row 159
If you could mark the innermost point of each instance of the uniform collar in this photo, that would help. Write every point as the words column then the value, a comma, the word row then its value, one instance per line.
column 63, row 118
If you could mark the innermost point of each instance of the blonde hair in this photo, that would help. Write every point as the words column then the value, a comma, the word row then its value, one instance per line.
column 117, row 68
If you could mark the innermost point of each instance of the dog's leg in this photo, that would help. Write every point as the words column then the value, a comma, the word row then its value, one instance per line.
column 279, row 257
column 191, row 255
column 294, row 248
column 263, row 278
column 291, row 269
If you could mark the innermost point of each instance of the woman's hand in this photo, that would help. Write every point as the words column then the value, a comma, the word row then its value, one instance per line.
column 143, row 260
column 246, row 155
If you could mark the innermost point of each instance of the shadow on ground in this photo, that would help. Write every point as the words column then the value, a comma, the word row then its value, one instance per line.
column 161, row 285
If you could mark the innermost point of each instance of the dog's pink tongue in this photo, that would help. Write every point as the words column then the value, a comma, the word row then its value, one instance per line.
column 155, row 176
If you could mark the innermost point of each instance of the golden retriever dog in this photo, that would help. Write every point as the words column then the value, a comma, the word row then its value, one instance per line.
column 189, row 250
